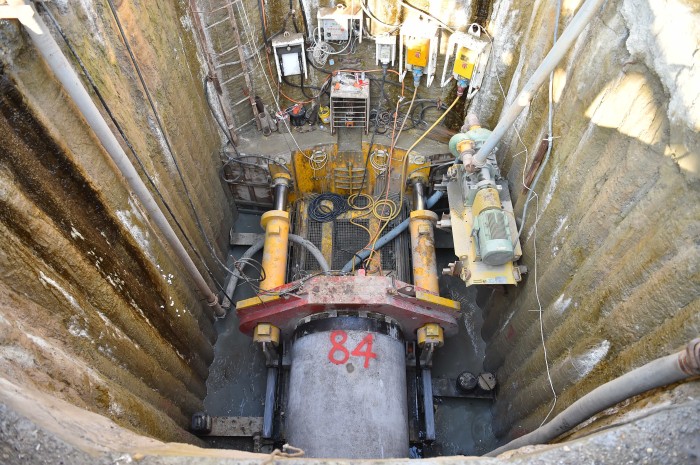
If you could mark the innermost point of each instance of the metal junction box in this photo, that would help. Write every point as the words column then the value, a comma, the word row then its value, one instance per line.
column 337, row 23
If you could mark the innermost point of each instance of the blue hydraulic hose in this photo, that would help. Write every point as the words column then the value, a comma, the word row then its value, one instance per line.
column 388, row 237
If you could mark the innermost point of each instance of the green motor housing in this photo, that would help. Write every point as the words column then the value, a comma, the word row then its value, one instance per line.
column 492, row 232
column 478, row 135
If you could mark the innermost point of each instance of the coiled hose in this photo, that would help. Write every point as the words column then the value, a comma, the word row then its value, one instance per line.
column 388, row 237
column 318, row 211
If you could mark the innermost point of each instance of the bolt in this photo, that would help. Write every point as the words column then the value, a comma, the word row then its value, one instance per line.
column 201, row 423
column 487, row 381
column 450, row 270
column 466, row 381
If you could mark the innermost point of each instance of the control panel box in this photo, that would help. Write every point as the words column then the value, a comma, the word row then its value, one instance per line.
column 337, row 24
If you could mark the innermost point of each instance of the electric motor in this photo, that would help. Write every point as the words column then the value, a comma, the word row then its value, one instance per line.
column 491, row 228
column 493, row 238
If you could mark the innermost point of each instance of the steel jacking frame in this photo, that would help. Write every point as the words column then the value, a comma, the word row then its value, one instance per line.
column 274, row 317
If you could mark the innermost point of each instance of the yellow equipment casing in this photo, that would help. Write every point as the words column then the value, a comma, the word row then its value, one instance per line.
column 418, row 51
column 486, row 199
column 465, row 62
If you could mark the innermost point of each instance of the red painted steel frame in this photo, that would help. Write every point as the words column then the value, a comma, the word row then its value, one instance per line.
column 376, row 294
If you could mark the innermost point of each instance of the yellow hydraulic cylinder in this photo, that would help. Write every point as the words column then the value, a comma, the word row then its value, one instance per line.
column 274, row 261
column 423, row 250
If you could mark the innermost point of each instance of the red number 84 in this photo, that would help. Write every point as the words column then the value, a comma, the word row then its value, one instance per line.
column 363, row 349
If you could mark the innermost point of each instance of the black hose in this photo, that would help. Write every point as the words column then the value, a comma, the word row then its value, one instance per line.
column 322, row 213
column 303, row 16
column 291, row 10
column 257, row 247
column 261, row 10
column 213, row 113
column 660, row 372
column 322, row 90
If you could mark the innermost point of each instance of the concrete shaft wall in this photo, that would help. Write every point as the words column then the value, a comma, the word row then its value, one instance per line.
column 616, row 240
column 93, row 308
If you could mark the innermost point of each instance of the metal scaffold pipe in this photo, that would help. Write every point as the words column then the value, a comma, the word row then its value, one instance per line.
column 66, row 75
column 555, row 55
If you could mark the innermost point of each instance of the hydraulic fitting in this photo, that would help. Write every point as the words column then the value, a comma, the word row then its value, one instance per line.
column 417, row 74
column 462, row 85
column 265, row 332
column 430, row 334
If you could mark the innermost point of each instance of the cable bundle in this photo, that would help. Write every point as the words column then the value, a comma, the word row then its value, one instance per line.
column 319, row 211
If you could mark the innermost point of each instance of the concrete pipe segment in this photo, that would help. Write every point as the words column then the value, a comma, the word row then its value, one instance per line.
column 347, row 389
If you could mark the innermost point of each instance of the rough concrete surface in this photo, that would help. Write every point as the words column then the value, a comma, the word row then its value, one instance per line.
column 617, row 219
column 37, row 429
column 94, row 309
column 93, row 305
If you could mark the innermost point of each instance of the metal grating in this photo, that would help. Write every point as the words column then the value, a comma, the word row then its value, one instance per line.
column 314, row 233
column 348, row 238
column 349, row 113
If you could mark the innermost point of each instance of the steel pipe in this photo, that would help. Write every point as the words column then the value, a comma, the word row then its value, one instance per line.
column 390, row 236
column 555, row 55
column 418, row 196
column 66, row 75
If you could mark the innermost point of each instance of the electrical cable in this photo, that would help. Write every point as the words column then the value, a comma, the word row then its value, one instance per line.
column 404, row 166
column 121, row 132
column 389, row 209
column 257, row 246
column 263, row 21
column 303, row 16
column 235, row 149
column 275, row 99
column 531, row 189
column 322, row 90
column 291, row 10
column 366, row 9
column 374, row 133
column 525, row 150
column 550, row 137
column 391, row 83
column 319, row 211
